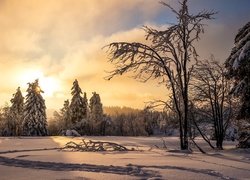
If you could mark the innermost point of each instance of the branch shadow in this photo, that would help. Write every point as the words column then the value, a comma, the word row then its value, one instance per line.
column 208, row 172
column 55, row 166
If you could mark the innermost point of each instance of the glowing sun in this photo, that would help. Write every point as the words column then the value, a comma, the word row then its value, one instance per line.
column 47, row 84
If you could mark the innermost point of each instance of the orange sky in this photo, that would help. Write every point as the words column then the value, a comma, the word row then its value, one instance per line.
column 60, row 41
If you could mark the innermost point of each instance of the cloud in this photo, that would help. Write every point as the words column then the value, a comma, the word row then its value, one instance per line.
column 64, row 41
column 87, row 62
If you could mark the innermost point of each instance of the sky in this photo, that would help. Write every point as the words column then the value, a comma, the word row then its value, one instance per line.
column 59, row 41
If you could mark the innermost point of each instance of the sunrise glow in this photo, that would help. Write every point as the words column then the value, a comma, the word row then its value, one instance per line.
column 47, row 84
column 58, row 43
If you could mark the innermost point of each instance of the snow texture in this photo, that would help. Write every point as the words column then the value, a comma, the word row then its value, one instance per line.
column 41, row 158
column 241, row 49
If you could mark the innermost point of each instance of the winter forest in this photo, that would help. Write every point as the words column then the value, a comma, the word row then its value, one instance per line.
column 27, row 116
column 206, row 113
column 209, row 97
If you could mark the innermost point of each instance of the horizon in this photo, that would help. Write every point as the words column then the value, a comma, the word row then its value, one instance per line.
column 60, row 42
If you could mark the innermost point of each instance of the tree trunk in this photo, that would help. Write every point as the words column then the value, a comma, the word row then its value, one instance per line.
column 181, row 135
column 185, row 145
column 219, row 142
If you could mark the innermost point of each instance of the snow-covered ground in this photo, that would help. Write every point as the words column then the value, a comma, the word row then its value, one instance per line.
column 37, row 158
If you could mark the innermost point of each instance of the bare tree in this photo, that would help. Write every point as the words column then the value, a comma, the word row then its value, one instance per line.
column 167, row 59
column 210, row 91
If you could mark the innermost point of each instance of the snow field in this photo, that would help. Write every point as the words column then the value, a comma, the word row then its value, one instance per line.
column 36, row 158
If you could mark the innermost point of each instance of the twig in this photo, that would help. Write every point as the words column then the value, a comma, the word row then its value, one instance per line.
column 164, row 143
column 201, row 150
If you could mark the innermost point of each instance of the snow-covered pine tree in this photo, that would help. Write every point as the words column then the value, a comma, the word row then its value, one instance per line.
column 4, row 110
column 238, row 66
column 66, row 114
column 78, row 106
column 35, row 121
column 96, row 114
column 238, row 69
column 15, row 114
column 85, row 105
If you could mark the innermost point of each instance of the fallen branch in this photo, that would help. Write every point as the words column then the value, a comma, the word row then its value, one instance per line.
column 164, row 145
column 94, row 146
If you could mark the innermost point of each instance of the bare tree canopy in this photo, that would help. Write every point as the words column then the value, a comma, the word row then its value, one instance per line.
column 167, row 59
column 210, row 93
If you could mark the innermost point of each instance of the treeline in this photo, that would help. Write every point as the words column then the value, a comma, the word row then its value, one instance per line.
column 132, row 122
column 113, row 110
column 27, row 116
column 94, row 119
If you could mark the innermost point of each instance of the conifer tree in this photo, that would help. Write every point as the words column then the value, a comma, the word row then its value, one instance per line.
column 96, row 113
column 238, row 69
column 4, row 110
column 16, row 114
column 78, row 106
column 35, row 121
column 85, row 105
column 66, row 114
column 238, row 66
